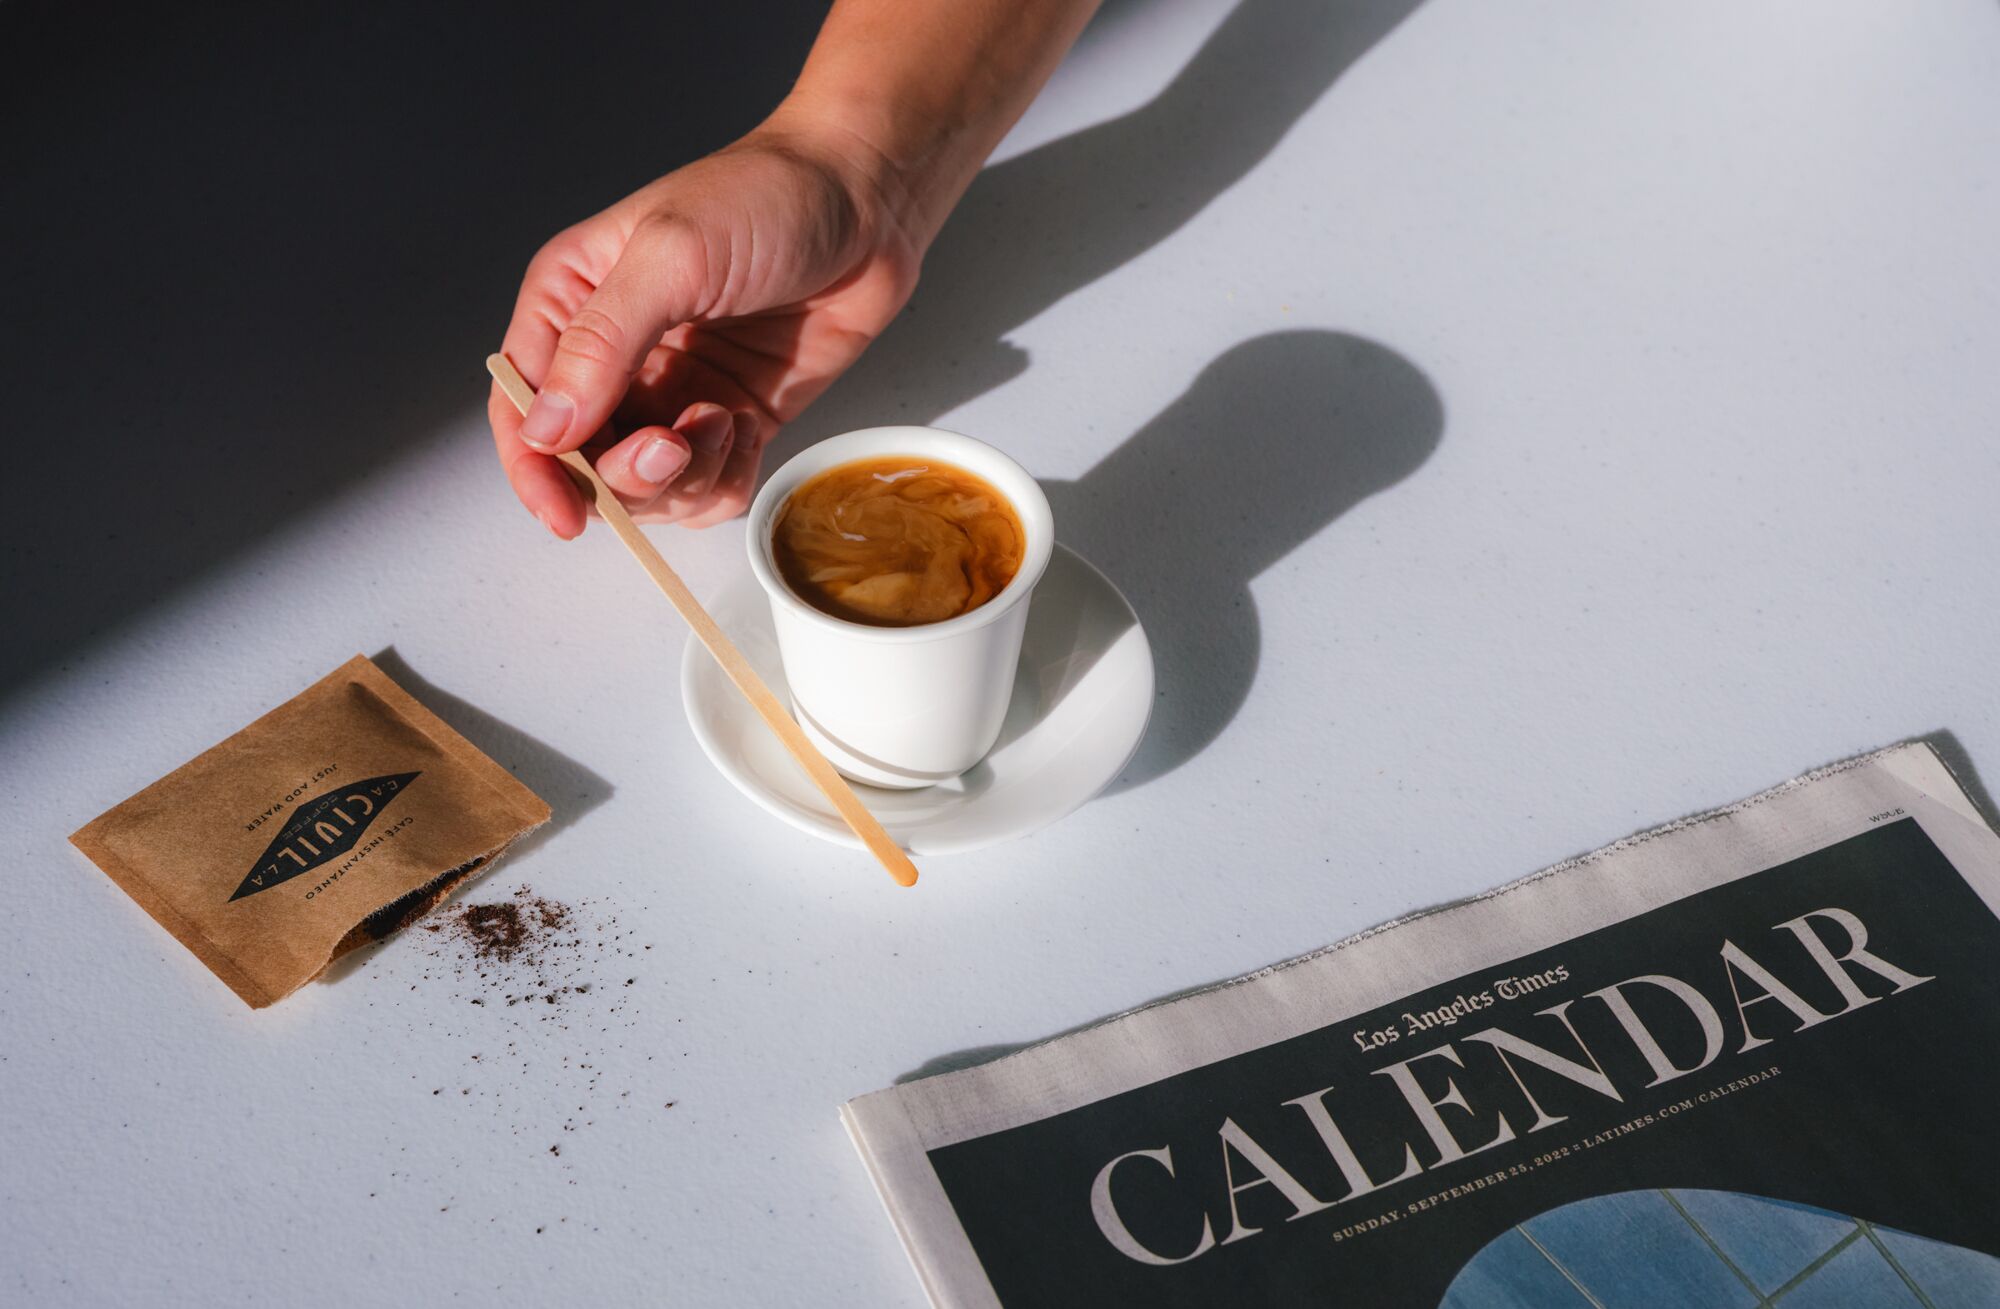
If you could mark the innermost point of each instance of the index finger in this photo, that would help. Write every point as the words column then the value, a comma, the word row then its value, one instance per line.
column 552, row 287
column 539, row 481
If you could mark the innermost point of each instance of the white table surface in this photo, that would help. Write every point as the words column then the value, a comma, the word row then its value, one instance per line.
column 1525, row 427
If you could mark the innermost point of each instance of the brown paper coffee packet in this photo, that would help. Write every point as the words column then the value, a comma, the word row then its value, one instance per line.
column 330, row 822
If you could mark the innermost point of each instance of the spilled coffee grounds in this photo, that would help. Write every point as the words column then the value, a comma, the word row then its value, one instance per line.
column 524, row 931
column 525, row 1010
column 499, row 931
column 525, row 948
column 496, row 930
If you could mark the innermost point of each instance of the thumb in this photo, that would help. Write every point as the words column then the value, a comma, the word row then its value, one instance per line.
column 655, row 285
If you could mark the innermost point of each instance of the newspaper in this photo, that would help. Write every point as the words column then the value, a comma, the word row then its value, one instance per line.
column 1711, row 1064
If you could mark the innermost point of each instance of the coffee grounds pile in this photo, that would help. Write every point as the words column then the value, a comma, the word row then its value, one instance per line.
column 521, row 949
column 499, row 932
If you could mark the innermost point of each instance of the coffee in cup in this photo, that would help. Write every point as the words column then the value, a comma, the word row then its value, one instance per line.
column 898, row 541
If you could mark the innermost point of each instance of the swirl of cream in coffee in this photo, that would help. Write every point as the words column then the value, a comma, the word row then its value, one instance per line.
column 897, row 542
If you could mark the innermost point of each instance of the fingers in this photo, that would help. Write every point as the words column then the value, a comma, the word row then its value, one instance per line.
column 670, row 471
column 701, row 498
column 558, row 280
column 655, row 285
column 550, row 495
column 710, row 430
column 640, row 467
column 731, row 493
column 539, row 482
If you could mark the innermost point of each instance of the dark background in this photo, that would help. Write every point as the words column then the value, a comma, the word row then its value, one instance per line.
column 1884, row 1113
column 253, row 250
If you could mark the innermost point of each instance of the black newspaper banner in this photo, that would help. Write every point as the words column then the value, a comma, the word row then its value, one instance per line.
column 1823, row 1033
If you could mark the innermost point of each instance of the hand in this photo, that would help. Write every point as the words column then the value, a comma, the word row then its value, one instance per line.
column 673, row 334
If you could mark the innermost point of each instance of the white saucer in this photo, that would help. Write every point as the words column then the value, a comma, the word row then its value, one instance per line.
column 1081, row 700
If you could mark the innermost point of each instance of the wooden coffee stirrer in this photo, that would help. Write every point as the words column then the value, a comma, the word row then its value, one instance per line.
column 830, row 783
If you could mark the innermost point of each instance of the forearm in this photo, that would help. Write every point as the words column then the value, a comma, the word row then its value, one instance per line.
column 923, row 90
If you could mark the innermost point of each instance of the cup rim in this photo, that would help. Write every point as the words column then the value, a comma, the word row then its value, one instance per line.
column 976, row 456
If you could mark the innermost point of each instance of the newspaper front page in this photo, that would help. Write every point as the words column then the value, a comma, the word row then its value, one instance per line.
column 1742, row 1057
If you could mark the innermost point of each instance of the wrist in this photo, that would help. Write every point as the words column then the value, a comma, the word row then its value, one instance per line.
column 903, row 179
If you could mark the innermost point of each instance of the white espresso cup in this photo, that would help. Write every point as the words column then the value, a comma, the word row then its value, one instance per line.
column 902, row 706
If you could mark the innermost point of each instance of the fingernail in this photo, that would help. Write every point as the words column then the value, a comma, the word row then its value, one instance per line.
column 547, row 420
column 708, row 432
column 547, row 522
column 661, row 460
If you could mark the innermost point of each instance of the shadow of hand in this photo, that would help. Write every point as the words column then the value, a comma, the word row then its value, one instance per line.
column 1049, row 222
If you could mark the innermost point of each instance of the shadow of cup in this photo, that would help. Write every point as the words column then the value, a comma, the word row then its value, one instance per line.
column 1269, row 445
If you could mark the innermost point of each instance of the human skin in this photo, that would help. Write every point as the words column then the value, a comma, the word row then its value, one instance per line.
column 673, row 334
